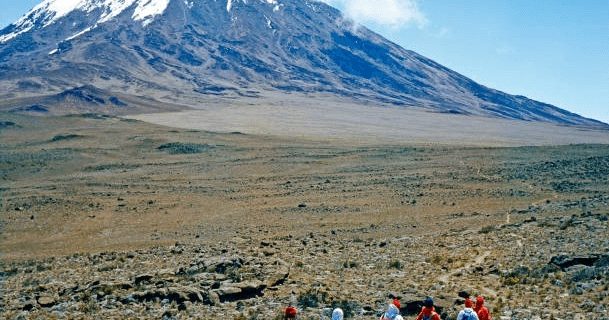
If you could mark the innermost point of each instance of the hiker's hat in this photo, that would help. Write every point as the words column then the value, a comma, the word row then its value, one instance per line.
column 428, row 302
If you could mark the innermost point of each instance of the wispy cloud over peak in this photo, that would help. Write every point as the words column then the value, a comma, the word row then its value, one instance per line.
column 392, row 13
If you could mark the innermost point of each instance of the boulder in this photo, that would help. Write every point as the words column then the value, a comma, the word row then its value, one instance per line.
column 184, row 293
column 142, row 278
column 278, row 278
column 46, row 301
column 222, row 264
column 213, row 298
column 179, row 294
column 213, row 265
column 566, row 261
column 411, row 305
column 109, row 287
column 240, row 291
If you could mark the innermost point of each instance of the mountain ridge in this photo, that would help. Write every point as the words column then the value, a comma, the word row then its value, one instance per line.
column 192, row 51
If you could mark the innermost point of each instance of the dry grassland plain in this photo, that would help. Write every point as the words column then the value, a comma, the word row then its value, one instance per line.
column 107, row 217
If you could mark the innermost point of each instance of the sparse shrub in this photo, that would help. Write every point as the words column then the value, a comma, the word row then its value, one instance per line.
column 234, row 274
column 311, row 299
column 184, row 148
column 278, row 315
column 499, row 304
column 89, row 305
column 542, row 273
column 436, row 259
column 510, row 281
column 487, row 229
column 43, row 267
column 350, row 308
column 62, row 137
column 30, row 282
column 602, row 262
column 396, row 264
column 566, row 223
column 7, row 124
column 565, row 186
column 588, row 273
column 350, row 264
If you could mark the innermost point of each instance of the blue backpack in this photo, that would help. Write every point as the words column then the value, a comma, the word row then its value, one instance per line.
column 430, row 316
column 467, row 315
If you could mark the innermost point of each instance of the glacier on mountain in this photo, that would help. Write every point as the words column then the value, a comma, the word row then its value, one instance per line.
column 49, row 11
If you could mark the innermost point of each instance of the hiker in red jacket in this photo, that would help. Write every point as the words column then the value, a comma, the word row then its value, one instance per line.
column 428, row 312
column 290, row 313
column 481, row 310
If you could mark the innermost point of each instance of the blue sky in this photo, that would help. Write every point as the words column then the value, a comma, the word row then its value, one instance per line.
column 555, row 51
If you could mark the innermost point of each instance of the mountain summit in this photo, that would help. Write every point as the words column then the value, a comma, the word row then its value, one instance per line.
column 186, row 51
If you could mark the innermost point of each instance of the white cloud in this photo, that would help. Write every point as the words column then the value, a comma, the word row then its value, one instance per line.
column 392, row 13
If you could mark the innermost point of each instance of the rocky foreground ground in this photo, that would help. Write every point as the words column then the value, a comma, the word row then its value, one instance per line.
column 104, row 218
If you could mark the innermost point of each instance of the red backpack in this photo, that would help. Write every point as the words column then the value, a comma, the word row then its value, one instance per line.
column 290, row 312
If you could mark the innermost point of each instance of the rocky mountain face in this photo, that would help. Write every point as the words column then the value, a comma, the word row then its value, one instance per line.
column 185, row 52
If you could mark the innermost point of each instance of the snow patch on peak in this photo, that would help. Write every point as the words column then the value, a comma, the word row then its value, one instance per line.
column 112, row 8
column 46, row 12
column 147, row 9
column 59, row 7
column 275, row 3
column 49, row 11
column 81, row 33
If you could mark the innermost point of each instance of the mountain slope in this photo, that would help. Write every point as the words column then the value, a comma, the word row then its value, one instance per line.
column 187, row 51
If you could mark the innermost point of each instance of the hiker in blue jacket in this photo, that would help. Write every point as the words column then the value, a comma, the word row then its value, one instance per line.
column 337, row 314
column 468, row 313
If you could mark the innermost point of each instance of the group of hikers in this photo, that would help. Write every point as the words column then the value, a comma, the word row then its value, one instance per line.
column 471, row 311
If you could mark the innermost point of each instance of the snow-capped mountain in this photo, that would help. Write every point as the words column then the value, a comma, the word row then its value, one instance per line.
column 50, row 11
column 187, row 51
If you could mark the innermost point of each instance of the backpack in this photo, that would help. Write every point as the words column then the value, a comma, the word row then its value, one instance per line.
column 468, row 316
column 429, row 316
column 290, row 312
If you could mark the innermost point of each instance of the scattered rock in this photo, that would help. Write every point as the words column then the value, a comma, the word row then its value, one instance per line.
column 178, row 294
column 241, row 291
column 222, row 264
column 46, row 301
column 28, row 306
column 278, row 278
column 565, row 261
column 142, row 278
